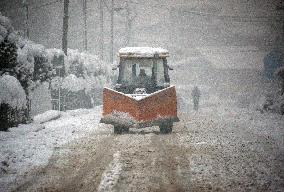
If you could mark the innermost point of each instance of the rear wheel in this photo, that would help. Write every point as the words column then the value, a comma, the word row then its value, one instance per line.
column 166, row 127
column 120, row 129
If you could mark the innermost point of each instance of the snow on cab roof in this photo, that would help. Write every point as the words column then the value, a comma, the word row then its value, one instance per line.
column 142, row 52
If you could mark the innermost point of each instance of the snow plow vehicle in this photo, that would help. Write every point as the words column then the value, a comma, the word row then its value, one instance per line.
column 143, row 96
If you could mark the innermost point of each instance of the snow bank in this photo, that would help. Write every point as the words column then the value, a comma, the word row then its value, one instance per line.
column 77, row 112
column 142, row 52
column 24, row 147
column 12, row 92
column 47, row 116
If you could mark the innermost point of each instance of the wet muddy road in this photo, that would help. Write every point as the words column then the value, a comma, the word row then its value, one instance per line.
column 191, row 158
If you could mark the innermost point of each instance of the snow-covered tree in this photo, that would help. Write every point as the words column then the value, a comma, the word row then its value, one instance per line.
column 23, row 59
column 12, row 92
column 8, row 47
column 33, row 66
column 85, row 77
column 42, row 66
column 90, row 64
column 12, row 102
column 95, row 72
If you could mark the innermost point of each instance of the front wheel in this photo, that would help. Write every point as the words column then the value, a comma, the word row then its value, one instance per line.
column 166, row 127
column 120, row 129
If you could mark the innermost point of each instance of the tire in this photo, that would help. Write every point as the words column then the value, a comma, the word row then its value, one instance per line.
column 120, row 129
column 166, row 127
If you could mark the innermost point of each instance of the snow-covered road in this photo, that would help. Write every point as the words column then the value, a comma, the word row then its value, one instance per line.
column 219, row 148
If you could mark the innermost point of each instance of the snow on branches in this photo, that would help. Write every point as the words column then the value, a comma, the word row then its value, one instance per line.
column 84, row 70
column 73, row 83
column 8, row 48
column 7, row 32
column 26, row 61
column 84, row 77
column 34, row 64
column 90, row 64
column 12, row 92
column 12, row 102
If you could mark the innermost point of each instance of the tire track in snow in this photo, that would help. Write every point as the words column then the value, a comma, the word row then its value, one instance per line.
column 111, row 175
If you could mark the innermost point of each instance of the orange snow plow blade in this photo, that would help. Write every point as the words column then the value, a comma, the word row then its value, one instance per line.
column 144, row 111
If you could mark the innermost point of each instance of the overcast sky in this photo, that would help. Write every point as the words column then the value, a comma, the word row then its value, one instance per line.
column 179, row 25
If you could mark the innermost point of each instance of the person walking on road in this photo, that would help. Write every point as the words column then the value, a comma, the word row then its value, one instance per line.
column 195, row 97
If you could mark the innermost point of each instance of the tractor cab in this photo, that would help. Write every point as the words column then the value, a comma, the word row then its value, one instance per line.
column 142, row 96
column 142, row 70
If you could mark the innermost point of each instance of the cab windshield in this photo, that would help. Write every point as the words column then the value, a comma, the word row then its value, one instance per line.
column 142, row 72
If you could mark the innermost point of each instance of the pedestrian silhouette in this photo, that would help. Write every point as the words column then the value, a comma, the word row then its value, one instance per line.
column 195, row 97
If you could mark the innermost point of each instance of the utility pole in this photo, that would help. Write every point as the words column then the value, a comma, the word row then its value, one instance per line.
column 85, row 25
column 111, row 31
column 64, row 43
column 26, row 7
column 102, row 29
column 65, row 27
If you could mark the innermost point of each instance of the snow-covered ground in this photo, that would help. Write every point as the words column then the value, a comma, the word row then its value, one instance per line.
column 245, row 148
column 231, row 142
column 47, row 116
column 111, row 175
column 26, row 146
